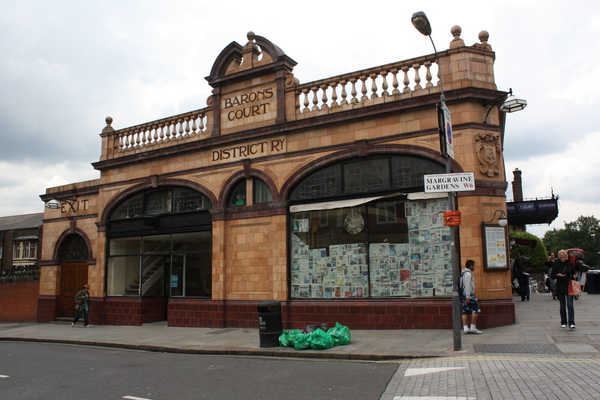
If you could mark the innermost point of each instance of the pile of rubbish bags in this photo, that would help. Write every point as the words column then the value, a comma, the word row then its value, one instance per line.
column 316, row 337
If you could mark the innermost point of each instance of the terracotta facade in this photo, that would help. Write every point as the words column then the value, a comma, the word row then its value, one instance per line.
column 263, row 129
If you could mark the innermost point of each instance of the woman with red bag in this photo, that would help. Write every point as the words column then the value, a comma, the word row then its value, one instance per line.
column 564, row 272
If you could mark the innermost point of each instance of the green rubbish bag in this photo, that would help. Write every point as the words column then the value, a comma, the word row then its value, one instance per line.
column 286, row 339
column 321, row 340
column 302, row 341
column 340, row 334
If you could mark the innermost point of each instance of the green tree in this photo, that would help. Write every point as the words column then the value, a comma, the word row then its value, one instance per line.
column 532, row 247
column 584, row 233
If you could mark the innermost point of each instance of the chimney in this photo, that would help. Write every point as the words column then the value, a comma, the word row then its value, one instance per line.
column 517, row 185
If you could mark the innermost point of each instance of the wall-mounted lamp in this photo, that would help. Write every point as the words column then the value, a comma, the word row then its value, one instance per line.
column 502, row 220
column 510, row 104
column 57, row 203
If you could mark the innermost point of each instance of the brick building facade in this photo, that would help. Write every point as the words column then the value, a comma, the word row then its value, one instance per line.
column 310, row 194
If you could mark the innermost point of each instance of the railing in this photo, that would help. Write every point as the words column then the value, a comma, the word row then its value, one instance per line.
column 397, row 79
column 179, row 127
column 29, row 272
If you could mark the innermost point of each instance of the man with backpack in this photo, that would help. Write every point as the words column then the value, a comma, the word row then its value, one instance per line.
column 469, row 303
column 522, row 268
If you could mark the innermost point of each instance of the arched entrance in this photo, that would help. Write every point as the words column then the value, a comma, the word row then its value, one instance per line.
column 72, row 256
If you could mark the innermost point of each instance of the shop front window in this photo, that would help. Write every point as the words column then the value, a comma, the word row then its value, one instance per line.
column 158, row 265
column 384, row 248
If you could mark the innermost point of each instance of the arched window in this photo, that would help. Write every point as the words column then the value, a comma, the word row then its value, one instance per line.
column 238, row 195
column 260, row 192
column 162, row 201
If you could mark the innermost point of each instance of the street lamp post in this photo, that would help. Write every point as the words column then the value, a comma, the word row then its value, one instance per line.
column 421, row 23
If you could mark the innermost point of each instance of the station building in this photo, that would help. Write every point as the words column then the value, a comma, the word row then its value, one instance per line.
column 311, row 194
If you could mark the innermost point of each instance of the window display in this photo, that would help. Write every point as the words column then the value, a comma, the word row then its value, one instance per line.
column 380, row 249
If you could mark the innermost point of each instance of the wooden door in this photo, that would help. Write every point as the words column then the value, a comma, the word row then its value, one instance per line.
column 72, row 278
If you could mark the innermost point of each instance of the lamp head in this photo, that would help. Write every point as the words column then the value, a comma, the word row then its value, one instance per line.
column 420, row 21
column 512, row 103
column 53, row 204
column 502, row 220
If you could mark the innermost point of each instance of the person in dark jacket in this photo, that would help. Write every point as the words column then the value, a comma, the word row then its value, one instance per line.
column 82, row 300
column 522, row 268
column 563, row 271
column 552, row 282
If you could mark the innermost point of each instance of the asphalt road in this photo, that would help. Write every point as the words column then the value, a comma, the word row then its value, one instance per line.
column 53, row 371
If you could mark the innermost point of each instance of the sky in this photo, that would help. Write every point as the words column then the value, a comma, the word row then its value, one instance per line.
column 65, row 65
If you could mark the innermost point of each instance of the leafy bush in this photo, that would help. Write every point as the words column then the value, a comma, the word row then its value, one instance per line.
column 537, row 254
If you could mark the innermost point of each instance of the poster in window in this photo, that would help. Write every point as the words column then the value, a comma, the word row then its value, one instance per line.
column 495, row 249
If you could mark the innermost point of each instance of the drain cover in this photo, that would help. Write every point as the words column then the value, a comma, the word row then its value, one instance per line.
column 517, row 348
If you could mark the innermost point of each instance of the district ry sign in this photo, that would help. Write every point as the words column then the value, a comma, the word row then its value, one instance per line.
column 458, row 182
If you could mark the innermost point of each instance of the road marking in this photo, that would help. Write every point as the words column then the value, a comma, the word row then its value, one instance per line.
column 135, row 398
column 425, row 371
column 3, row 376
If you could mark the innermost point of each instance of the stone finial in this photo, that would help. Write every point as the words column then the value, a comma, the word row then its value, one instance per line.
column 483, row 38
column 108, row 127
column 250, row 35
column 456, row 30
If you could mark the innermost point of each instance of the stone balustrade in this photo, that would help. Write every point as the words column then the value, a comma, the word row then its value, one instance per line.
column 189, row 126
column 395, row 80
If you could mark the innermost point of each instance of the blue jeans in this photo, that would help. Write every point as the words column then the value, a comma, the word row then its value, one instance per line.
column 566, row 307
column 84, row 311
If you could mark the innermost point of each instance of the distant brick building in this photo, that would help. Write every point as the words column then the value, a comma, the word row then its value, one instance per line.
column 310, row 194
column 20, row 237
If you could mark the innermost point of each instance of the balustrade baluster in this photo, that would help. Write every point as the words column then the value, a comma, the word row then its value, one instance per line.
column 384, row 84
column 428, row 77
column 344, row 94
column 353, row 92
column 129, row 136
column 120, row 142
column 169, row 131
column 201, row 123
column 155, row 134
column 395, row 83
column 187, row 125
column 324, row 99
column 406, row 81
column 194, row 127
column 306, row 103
column 334, row 95
column 417, row 77
column 137, row 138
column 162, row 132
column 180, row 130
column 363, row 88
column 373, row 85
column 315, row 98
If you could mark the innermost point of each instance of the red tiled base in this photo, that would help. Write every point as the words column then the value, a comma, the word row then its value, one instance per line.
column 295, row 314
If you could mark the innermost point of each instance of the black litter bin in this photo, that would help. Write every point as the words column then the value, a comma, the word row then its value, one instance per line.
column 269, row 323
column 592, row 282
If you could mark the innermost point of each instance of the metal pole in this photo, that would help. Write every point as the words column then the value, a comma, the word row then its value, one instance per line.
column 456, row 315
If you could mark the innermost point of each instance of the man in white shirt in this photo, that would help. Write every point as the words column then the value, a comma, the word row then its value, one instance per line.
column 470, row 305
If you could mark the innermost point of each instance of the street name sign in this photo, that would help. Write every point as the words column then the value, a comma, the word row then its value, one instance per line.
column 457, row 182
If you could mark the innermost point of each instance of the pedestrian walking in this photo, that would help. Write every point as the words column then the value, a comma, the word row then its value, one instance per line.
column 469, row 303
column 551, row 282
column 564, row 272
column 522, row 269
column 82, row 305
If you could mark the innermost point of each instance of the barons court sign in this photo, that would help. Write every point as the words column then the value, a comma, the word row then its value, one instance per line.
column 247, row 107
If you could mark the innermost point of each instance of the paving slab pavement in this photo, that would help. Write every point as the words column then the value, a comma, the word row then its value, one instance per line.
column 537, row 332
